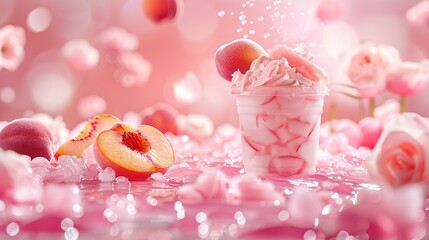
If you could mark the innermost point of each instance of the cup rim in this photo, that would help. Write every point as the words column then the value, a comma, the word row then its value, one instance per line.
column 301, row 90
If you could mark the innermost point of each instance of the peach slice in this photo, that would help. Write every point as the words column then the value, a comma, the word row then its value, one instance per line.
column 160, row 10
column 133, row 152
column 237, row 55
column 86, row 137
column 27, row 137
column 302, row 65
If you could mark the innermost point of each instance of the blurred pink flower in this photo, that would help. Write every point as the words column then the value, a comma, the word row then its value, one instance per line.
column 419, row 14
column 187, row 89
column 196, row 126
column 409, row 78
column 367, row 66
column 118, row 40
column 249, row 188
column 371, row 129
column 18, row 183
column 345, row 126
column 80, row 54
column 401, row 154
column 12, row 41
column 133, row 70
column 387, row 109
column 328, row 10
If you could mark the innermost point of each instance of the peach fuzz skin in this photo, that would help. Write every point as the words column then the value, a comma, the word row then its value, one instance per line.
column 77, row 145
column 27, row 137
column 132, row 152
column 237, row 55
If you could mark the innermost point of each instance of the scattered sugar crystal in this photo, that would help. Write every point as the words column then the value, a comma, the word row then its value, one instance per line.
column 107, row 175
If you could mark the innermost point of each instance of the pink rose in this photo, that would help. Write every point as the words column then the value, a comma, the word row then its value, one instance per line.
column 118, row 40
column 409, row 78
column 12, row 41
column 80, row 54
column 419, row 14
column 371, row 128
column 134, row 70
column 367, row 65
column 345, row 126
column 401, row 153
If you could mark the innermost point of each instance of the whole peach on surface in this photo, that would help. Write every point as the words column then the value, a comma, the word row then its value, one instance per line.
column 27, row 137
column 237, row 55
column 133, row 152
column 161, row 116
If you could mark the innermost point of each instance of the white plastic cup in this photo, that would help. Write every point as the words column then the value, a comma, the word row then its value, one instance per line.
column 280, row 128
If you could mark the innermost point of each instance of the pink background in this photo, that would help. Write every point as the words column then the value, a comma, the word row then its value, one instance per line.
column 188, row 44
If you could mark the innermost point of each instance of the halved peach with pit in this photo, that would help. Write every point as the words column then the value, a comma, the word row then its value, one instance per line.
column 86, row 137
column 133, row 152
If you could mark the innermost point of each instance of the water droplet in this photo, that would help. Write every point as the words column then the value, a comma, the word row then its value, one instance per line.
column 310, row 235
column 260, row 19
column 251, row 32
column 71, row 234
column 243, row 22
column 200, row 217
column 239, row 30
column 283, row 215
column 266, row 35
column 12, row 229
column 66, row 223
column 221, row 13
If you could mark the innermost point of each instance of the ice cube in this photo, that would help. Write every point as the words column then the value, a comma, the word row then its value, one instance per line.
column 272, row 122
column 287, row 165
column 283, row 134
column 107, row 175
column 299, row 127
column 295, row 144
column 279, row 150
column 248, row 121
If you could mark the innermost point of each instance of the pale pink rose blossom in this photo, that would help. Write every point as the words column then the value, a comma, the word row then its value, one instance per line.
column 118, row 40
column 367, row 65
column 133, row 69
column 371, row 129
column 80, row 54
column 401, row 154
column 12, row 41
column 409, row 78
column 419, row 14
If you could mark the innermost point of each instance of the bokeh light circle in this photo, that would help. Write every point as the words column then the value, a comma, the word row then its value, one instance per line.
column 39, row 19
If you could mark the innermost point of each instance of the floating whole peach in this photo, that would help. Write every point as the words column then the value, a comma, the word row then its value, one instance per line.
column 160, row 10
column 237, row 55
column 27, row 137
column 132, row 152
column 161, row 116
column 77, row 145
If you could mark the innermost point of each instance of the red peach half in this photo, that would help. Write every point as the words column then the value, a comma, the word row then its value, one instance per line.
column 237, row 55
column 133, row 152
column 77, row 145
